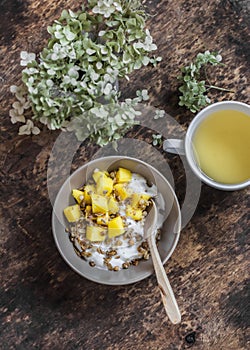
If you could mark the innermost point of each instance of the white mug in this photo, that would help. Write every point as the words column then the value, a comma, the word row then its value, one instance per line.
column 185, row 147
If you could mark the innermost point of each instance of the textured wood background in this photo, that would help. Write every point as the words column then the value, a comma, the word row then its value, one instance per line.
column 44, row 304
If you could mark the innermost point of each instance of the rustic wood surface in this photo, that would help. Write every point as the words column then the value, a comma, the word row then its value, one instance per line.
column 44, row 304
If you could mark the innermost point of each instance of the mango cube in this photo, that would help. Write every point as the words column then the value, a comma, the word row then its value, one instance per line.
column 95, row 233
column 104, row 185
column 88, row 190
column 115, row 227
column 103, row 220
column 136, row 199
column 97, row 174
column 123, row 175
column 121, row 191
column 99, row 203
column 135, row 214
column 72, row 213
column 88, row 210
column 78, row 195
column 113, row 205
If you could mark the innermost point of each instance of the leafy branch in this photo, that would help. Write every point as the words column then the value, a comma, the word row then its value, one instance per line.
column 194, row 89
column 72, row 84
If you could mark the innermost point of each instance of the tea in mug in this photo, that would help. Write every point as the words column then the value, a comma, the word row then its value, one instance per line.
column 222, row 146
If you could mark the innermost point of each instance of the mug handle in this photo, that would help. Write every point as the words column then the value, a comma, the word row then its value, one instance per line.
column 175, row 146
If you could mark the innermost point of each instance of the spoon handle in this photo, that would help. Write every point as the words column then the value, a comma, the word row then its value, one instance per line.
column 167, row 293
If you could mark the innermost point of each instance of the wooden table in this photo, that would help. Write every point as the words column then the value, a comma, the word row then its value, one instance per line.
column 44, row 304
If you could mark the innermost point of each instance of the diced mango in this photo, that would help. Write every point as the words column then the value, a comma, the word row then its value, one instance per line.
column 88, row 210
column 136, row 198
column 135, row 214
column 99, row 203
column 145, row 196
column 113, row 205
column 78, row 195
column 103, row 220
column 104, row 185
column 121, row 191
column 97, row 174
column 88, row 190
column 123, row 175
column 95, row 233
column 72, row 213
column 115, row 227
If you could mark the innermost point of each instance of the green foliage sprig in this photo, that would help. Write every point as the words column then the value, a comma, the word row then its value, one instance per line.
column 194, row 89
column 72, row 84
column 157, row 139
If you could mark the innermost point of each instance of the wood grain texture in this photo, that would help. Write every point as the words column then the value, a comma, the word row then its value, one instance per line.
column 44, row 304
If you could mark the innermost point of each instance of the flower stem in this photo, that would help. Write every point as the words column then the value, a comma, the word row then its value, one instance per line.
column 219, row 88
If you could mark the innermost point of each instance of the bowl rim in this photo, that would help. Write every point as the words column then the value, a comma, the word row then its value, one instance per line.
column 55, row 219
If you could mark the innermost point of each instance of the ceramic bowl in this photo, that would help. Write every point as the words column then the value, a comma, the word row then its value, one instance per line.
column 169, row 219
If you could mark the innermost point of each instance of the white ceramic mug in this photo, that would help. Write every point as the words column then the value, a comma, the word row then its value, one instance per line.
column 185, row 147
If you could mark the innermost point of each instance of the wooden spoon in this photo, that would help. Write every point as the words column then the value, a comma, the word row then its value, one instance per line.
column 166, row 291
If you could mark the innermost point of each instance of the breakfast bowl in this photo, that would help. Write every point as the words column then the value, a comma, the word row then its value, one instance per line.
column 168, row 220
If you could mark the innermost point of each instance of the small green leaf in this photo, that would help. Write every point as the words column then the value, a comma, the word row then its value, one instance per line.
column 90, row 51
column 68, row 33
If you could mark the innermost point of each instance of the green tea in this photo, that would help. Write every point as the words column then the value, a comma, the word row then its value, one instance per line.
column 222, row 146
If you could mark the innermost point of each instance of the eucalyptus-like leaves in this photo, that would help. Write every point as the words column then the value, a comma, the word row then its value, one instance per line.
column 75, row 76
column 194, row 88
